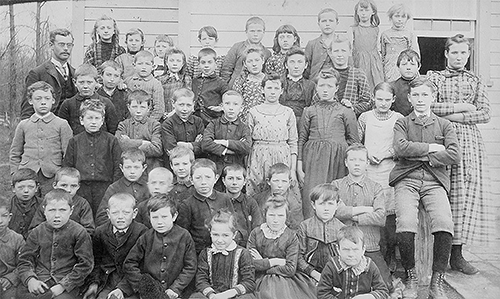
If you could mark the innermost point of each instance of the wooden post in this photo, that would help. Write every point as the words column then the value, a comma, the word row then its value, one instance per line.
column 424, row 241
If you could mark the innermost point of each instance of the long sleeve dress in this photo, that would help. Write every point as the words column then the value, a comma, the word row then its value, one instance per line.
column 274, row 138
column 470, row 194
column 392, row 43
column 366, row 55
column 326, row 129
column 279, row 281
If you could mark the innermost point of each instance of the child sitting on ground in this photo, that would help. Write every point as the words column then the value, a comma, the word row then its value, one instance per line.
column 25, row 202
column 95, row 153
column 224, row 269
column 351, row 267
column 112, row 242
column 140, row 131
column 163, row 261
column 10, row 247
column 318, row 235
column 68, row 179
column 86, row 82
column 134, row 182
column 58, row 254
column 247, row 211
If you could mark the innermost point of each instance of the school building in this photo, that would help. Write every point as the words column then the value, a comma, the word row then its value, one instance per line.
column 433, row 21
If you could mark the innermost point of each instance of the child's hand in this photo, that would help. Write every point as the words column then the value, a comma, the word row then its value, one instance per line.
column 36, row 286
column 300, row 176
column 255, row 254
column 121, row 86
column 230, row 152
column 91, row 292
column 5, row 283
column 171, row 294
column 434, row 147
column 117, row 293
column 145, row 143
column 198, row 138
column 346, row 103
column 277, row 262
column 374, row 160
column 125, row 137
column 57, row 290
column 222, row 142
column 215, row 108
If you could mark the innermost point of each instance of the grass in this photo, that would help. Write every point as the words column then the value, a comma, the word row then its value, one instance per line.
column 5, row 135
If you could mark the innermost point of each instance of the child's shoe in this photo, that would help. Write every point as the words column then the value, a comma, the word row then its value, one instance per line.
column 411, row 284
column 436, row 290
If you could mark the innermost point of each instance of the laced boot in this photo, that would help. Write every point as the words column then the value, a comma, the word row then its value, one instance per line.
column 411, row 284
column 436, row 290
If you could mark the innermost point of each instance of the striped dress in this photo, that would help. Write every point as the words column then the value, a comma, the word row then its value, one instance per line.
column 470, row 195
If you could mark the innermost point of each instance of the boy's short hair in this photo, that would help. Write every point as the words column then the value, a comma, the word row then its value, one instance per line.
column 231, row 92
column 328, row 74
column 67, row 171
column 181, row 151
column 327, row 10
column 203, row 163
column 223, row 216
column 255, row 20
column 135, row 31
column 59, row 31
column 295, row 51
column 421, row 81
column 277, row 169
column 356, row 147
column 57, row 194
column 160, row 201
column 139, row 96
column 24, row 174
column 123, row 196
column 234, row 167
column 143, row 54
column 39, row 85
column 324, row 192
column 210, row 31
column 457, row 39
column 86, row 69
column 182, row 93
column 274, row 202
column 272, row 77
column 134, row 155
column 164, row 38
column 112, row 64
column 5, row 203
column 95, row 105
column 253, row 49
column 409, row 55
column 401, row 8
column 351, row 233
column 339, row 39
column 206, row 52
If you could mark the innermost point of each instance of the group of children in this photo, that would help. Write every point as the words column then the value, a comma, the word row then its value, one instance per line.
column 238, row 176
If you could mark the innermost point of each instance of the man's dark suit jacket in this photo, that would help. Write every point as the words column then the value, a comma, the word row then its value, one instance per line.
column 47, row 72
